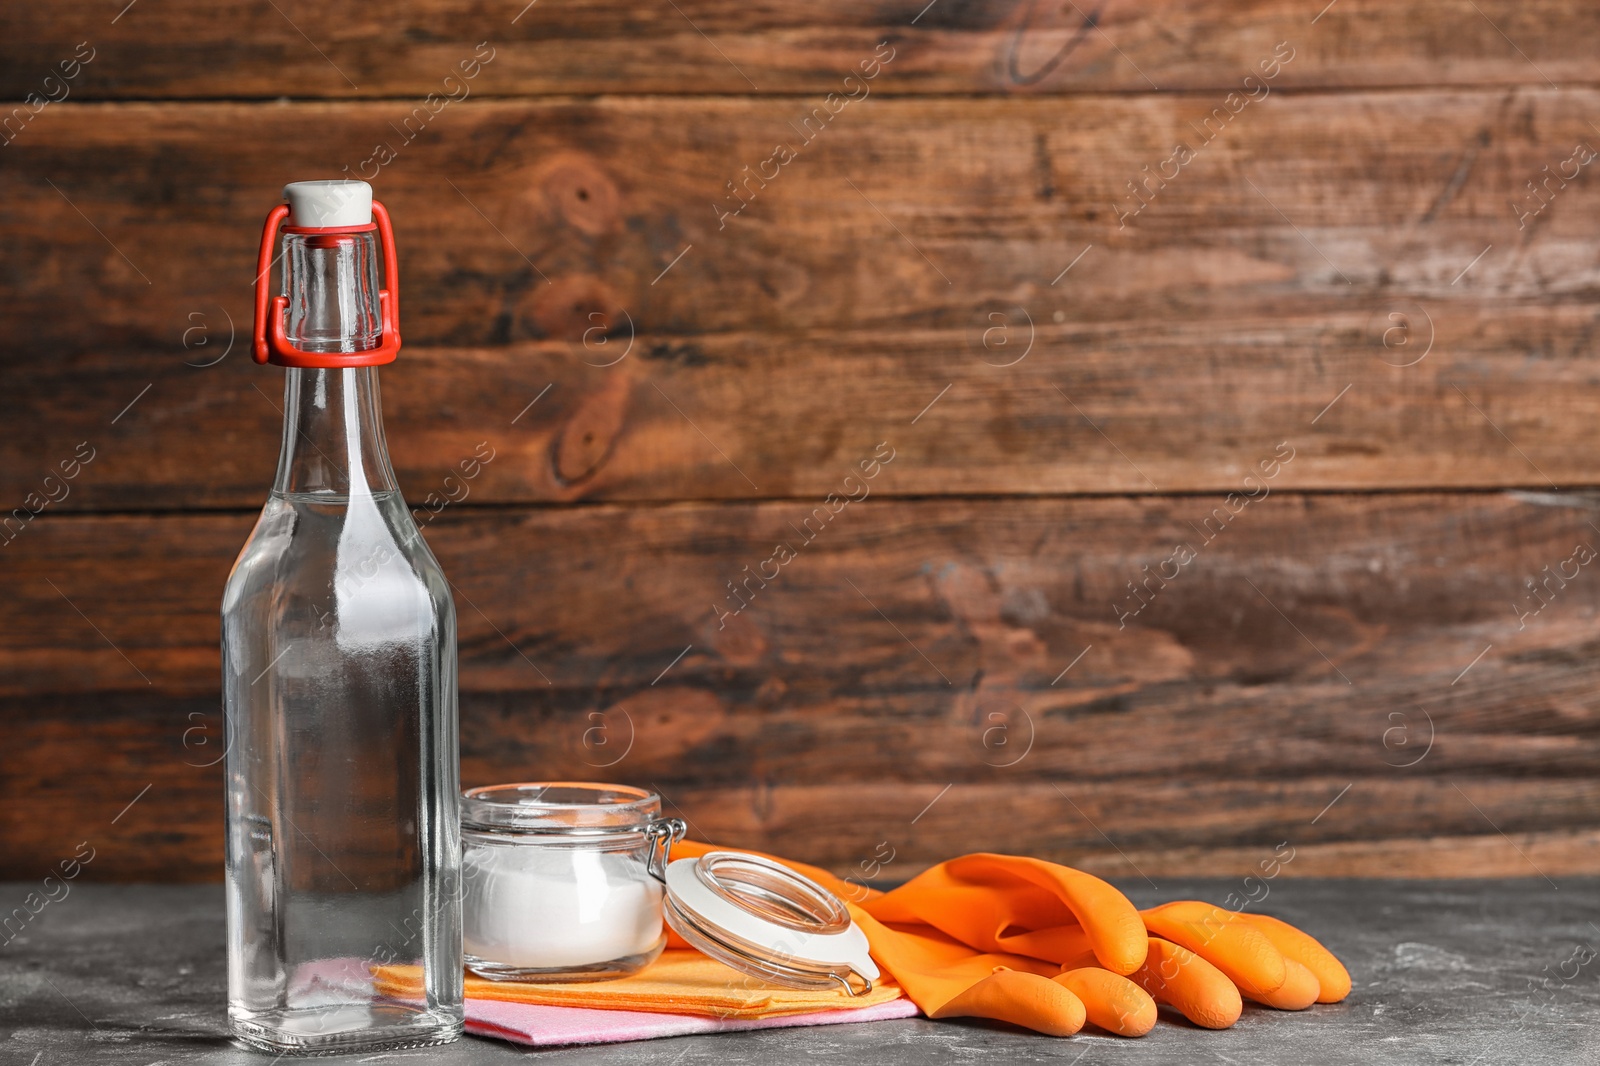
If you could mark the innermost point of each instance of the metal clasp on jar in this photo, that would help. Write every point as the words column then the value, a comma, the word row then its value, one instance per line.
column 660, row 836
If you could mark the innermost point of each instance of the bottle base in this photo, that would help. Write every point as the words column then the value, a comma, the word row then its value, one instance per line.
column 343, row 1029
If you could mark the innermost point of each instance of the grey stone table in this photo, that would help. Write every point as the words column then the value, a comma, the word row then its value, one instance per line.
column 1464, row 972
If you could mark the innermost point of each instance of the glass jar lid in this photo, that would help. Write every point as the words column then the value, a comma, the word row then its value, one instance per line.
column 764, row 919
column 560, row 808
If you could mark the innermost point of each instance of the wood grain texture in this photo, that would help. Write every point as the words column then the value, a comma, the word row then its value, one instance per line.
column 1210, row 327
column 1315, row 642
column 677, row 343
column 225, row 48
column 1090, row 409
column 567, row 217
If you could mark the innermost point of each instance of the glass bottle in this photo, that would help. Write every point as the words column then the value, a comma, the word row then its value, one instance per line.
column 339, row 681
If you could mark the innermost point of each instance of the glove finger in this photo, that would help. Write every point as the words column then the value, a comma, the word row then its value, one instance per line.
column 1024, row 999
column 1110, row 1001
column 1332, row 978
column 1225, row 940
column 1297, row 993
column 1179, row 978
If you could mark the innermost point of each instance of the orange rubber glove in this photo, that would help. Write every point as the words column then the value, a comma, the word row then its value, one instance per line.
column 1026, row 916
column 985, row 936
column 1048, row 948
column 1267, row 960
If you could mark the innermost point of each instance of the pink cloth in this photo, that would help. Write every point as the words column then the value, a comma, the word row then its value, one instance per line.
column 538, row 1025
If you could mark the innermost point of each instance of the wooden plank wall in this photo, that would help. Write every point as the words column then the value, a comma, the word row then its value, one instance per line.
column 1326, row 374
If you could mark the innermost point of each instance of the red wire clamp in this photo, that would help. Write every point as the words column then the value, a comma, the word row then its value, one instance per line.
column 272, row 344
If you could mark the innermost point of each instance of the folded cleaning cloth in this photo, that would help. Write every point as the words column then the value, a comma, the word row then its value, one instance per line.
column 681, row 981
column 540, row 1026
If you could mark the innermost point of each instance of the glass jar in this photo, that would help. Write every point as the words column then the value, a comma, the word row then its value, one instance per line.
column 562, row 881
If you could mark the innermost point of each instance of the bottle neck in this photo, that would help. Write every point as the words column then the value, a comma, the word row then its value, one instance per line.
column 333, row 434
column 331, row 280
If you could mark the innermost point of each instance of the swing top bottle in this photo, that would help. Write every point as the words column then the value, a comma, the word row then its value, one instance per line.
column 339, row 676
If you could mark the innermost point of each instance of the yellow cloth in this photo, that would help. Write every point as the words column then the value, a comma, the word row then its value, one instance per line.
column 681, row 981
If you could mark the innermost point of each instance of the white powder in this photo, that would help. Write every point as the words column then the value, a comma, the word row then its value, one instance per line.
column 542, row 908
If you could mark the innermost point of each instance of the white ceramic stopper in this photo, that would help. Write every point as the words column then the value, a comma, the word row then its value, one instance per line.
column 320, row 204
